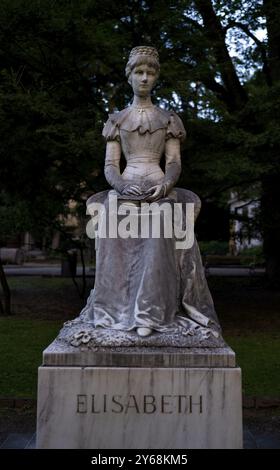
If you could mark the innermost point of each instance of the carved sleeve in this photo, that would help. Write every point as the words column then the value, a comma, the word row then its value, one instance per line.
column 112, row 166
column 175, row 128
column 113, row 154
column 175, row 134
column 172, row 163
column 111, row 130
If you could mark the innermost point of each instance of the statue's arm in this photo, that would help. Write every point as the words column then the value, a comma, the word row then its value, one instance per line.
column 172, row 163
column 112, row 165
column 112, row 170
column 172, row 170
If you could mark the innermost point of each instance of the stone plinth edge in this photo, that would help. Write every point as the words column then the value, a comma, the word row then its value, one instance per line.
column 61, row 354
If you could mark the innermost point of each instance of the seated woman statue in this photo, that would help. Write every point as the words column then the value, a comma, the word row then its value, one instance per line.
column 146, row 285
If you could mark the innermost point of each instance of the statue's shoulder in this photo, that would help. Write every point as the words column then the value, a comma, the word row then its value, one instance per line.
column 170, row 116
column 114, row 122
column 130, row 120
column 165, row 113
column 112, row 125
column 175, row 127
column 118, row 116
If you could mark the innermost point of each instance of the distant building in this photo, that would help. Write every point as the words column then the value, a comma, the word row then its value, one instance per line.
column 243, row 232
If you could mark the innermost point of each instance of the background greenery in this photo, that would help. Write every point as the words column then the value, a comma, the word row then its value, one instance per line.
column 62, row 71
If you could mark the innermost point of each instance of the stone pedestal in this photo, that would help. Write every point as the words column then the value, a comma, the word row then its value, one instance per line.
column 169, row 399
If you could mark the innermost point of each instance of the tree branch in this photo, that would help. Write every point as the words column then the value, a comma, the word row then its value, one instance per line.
column 6, row 291
column 217, row 88
column 222, row 189
column 247, row 203
column 192, row 22
column 261, row 46
column 216, row 36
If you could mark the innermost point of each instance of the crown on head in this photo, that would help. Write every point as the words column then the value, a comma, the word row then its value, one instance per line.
column 144, row 50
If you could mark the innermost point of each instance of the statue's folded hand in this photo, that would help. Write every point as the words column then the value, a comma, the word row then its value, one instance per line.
column 156, row 192
column 132, row 189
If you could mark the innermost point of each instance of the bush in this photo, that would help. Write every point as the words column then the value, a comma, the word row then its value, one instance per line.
column 252, row 255
column 213, row 247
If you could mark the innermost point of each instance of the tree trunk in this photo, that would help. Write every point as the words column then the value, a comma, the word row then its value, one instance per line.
column 272, row 12
column 271, row 183
column 1, row 308
column 6, row 291
column 270, row 207
column 237, row 96
column 270, row 213
column 84, row 279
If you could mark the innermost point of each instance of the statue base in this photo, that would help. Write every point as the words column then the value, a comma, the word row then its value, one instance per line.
column 139, row 399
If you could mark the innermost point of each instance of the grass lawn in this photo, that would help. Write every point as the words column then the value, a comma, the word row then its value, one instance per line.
column 22, row 343
column 249, row 315
column 258, row 357
column 47, row 298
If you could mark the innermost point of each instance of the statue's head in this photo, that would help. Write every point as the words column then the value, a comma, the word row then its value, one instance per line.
column 143, row 59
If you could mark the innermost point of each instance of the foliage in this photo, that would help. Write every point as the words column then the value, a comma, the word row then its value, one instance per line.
column 14, row 216
column 50, row 147
column 213, row 247
column 61, row 63
column 254, row 254
column 62, row 70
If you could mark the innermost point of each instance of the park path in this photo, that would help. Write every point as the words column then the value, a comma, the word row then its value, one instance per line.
column 34, row 269
column 252, row 439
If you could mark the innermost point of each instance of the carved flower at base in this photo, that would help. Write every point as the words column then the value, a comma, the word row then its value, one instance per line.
column 82, row 337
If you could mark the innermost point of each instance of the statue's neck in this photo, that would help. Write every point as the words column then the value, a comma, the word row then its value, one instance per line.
column 142, row 102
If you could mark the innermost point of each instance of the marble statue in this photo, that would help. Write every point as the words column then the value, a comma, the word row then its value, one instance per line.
column 146, row 292
column 148, row 342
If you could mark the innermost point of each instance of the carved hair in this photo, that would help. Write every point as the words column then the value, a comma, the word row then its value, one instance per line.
column 142, row 55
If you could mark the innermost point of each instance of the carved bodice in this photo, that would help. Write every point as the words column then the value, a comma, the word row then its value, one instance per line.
column 142, row 133
column 143, row 152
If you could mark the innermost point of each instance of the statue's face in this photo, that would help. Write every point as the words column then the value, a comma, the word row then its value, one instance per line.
column 142, row 79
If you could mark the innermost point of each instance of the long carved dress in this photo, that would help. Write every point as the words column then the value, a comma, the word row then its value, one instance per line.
column 147, row 282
